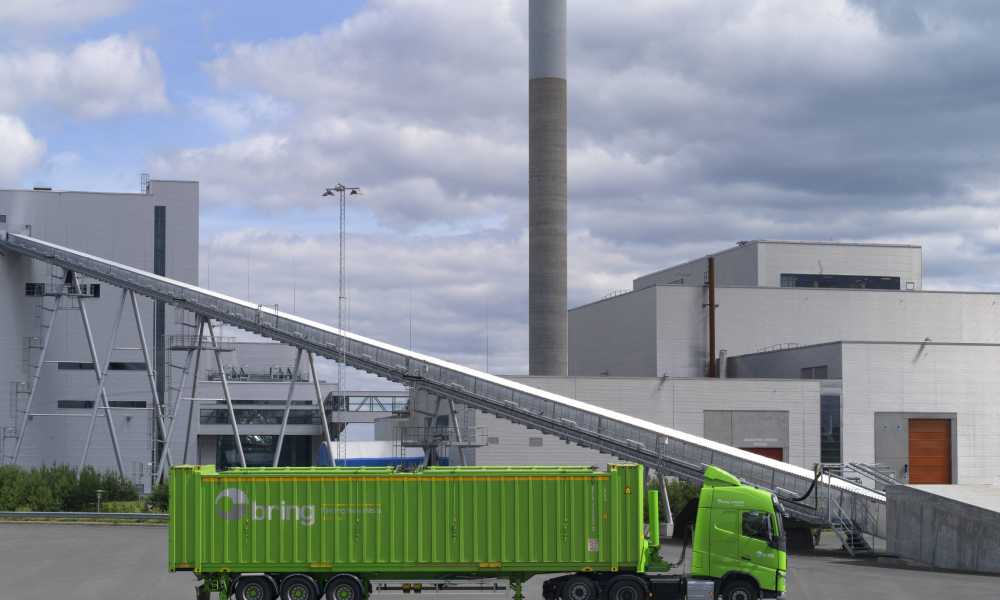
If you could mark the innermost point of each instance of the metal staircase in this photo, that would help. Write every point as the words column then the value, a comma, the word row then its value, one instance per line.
column 669, row 451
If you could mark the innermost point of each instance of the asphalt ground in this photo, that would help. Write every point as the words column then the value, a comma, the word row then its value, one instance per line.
column 126, row 562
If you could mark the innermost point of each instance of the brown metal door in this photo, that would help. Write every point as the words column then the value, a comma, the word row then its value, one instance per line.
column 775, row 453
column 930, row 451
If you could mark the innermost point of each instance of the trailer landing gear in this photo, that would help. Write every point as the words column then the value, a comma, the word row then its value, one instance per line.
column 517, row 585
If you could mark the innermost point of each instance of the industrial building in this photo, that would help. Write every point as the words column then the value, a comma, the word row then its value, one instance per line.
column 53, row 327
column 900, row 375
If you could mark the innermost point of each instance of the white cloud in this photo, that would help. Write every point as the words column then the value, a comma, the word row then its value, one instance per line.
column 37, row 13
column 19, row 150
column 96, row 79
column 692, row 125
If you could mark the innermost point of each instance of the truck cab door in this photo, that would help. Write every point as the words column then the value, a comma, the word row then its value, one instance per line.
column 757, row 553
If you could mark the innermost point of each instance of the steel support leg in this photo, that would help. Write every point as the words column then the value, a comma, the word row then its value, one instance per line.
column 322, row 409
column 101, row 388
column 288, row 409
column 225, row 393
column 458, row 432
column 157, row 407
column 173, row 415
column 34, row 380
column 100, row 381
column 194, row 386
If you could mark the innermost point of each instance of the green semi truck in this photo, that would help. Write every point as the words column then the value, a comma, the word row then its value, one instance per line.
column 312, row 533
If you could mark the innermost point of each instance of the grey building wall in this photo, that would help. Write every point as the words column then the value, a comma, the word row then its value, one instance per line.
column 677, row 403
column 733, row 266
column 116, row 226
column 617, row 329
column 926, row 380
column 749, row 428
column 787, row 363
column 775, row 258
column 751, row 319
column 761, row 263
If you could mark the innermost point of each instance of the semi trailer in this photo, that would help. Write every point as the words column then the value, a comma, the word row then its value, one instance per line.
column 330, row 532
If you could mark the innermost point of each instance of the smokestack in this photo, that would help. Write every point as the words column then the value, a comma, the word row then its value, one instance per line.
column 547, row 320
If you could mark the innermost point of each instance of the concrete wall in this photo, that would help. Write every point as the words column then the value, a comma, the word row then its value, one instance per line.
column 916, row 380
column 678, row 403
column 776, row 258
column 615, row 337
column 787, row 364
column 945, row 532
column 115, row 226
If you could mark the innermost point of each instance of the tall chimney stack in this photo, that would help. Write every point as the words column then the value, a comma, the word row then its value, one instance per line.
column 547, row 319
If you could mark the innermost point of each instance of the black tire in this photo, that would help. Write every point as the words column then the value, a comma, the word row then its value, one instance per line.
column 253, row 588
column 740, row 589
column 579, row 587
column 627, row 587
column 343, row 587
column 298, row 587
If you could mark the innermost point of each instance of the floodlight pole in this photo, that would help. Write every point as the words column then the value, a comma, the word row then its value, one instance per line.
column 342, row 191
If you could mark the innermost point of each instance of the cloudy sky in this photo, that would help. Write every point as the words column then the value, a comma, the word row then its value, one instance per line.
column 693, row 125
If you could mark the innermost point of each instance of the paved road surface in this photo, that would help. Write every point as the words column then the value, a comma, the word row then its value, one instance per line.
column 95, row 562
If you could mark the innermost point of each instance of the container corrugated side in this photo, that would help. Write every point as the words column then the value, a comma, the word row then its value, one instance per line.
column 436, row 521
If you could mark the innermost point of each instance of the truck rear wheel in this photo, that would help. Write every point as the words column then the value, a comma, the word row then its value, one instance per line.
column 579, row 587
column 740, row 589
column 298, row 587
column 343, row 587
column 627, row 587
column 253, row 588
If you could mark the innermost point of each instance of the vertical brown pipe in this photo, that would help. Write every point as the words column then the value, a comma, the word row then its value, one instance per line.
column 711, row 317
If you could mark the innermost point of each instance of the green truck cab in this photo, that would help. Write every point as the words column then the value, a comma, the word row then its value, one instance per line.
column 739, row 538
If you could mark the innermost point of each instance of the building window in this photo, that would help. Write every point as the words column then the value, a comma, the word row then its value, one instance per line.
column 820, row 372
column 90, row 404
column 829, row 427
column 3, row 219
column 492, row 441
column 34, row 289
column 863, row 282
column 534, row 442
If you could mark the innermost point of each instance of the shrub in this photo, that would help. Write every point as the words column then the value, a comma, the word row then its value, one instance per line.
column 159, row 500
column 123, row 506
column 680, row 493
column 57, row 488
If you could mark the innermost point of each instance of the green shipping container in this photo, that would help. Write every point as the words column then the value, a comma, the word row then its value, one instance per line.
column 382, row 524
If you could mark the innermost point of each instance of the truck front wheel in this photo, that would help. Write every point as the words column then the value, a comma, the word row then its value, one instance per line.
column 740, row 589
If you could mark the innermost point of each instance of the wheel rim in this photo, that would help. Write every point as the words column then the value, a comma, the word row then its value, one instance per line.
column 579, row 591
column 298, row 591
column 740, row 595
column 626, row 593
column 343, row 591
column 253, row 591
